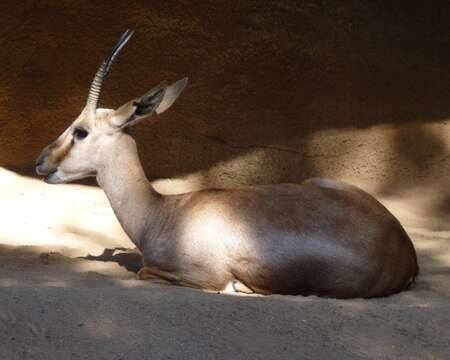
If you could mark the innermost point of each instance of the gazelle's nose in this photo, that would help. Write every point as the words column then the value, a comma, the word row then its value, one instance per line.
column 40, row 170
column 40, row 166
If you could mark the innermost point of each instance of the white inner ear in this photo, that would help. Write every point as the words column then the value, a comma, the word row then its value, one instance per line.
column 171, row 94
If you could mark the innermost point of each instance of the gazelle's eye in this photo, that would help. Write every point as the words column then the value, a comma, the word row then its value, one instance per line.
column 80, row 133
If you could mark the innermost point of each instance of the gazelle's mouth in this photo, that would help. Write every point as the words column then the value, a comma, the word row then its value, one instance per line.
column 56, row 177
column 53, row 178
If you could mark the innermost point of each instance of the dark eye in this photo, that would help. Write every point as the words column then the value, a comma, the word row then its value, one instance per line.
column 80, row 133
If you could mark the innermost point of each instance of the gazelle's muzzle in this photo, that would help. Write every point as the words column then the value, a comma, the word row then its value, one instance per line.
column 44, row 166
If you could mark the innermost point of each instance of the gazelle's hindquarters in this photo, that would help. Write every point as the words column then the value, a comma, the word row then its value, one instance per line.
column 289, row 239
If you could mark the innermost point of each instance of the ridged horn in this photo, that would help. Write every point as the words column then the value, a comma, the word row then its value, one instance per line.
column 102, row 72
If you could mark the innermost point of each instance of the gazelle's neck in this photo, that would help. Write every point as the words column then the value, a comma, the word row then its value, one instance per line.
column 131, row 195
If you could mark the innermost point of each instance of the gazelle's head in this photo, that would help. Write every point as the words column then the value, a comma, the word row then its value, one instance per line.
column 78, row 150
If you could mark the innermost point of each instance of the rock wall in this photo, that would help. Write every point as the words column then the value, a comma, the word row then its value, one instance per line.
column 279, row 90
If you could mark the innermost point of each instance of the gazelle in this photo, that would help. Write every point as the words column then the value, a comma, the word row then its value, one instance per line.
column 321, row 237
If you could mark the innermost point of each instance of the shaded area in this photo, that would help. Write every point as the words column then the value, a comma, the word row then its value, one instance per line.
column 77, row 308
column 210, row 326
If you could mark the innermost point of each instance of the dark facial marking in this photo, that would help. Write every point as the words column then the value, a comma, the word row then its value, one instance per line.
column 80, row 133
column 60, row 151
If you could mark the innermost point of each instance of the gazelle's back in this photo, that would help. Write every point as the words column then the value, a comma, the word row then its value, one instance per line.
column 323, row 237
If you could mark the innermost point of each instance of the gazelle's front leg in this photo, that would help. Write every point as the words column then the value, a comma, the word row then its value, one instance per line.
column 163, row 277
column 156, row 275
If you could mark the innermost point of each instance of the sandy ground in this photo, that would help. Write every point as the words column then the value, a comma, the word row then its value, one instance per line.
column 65, row 293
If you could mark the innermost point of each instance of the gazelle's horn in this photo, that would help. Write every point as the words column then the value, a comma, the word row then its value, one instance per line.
column 96, row 86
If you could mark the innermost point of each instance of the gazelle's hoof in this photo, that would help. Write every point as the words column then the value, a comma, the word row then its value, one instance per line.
column 235, row 287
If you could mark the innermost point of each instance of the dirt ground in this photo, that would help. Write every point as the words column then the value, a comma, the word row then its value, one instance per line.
column 65, row 293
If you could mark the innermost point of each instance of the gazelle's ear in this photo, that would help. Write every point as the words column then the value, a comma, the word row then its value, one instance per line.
column 158, row 100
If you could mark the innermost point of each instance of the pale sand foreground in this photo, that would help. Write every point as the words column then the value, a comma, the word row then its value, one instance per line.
column 55, row 305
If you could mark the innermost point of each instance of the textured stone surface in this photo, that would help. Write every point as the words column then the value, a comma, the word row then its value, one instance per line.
column 279, row 90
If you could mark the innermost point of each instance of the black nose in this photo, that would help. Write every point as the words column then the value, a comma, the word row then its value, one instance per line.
column 39, row 162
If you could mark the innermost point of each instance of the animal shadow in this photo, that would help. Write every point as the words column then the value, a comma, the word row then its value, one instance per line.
column 130, row 259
